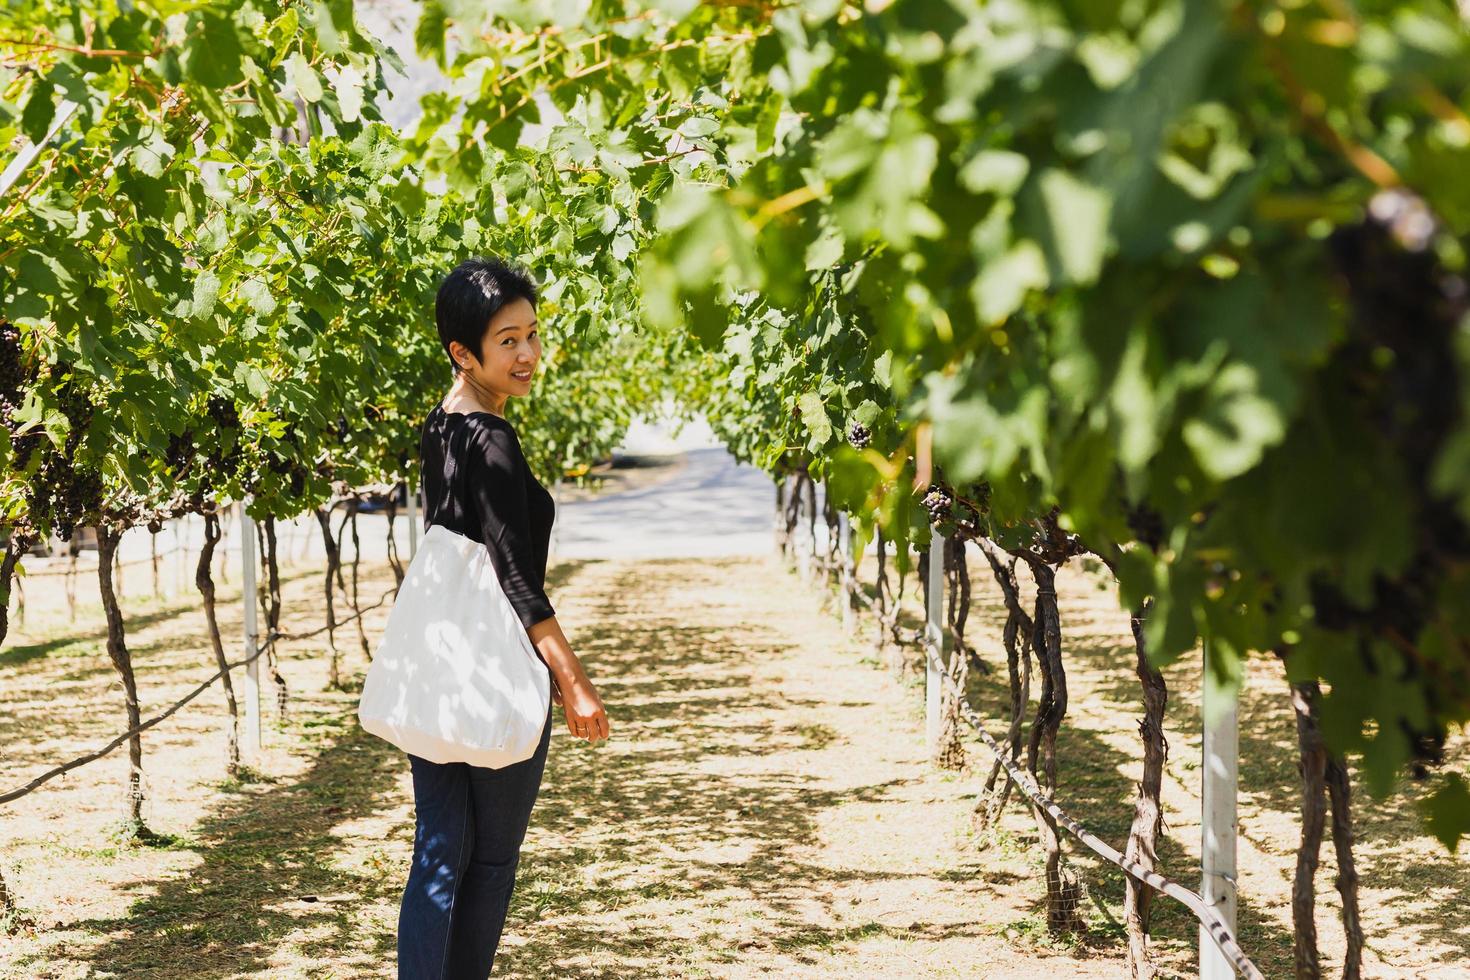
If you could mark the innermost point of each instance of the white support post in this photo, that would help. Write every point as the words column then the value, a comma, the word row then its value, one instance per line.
column 248, row 597
column 23, row 159
column 180, row 526
column 799, row 539
column 413, row 519
column 821, row 545
column 779, row 520
column 1218, row 830
column 808, row 530
column 934, row 637
column 844, row 551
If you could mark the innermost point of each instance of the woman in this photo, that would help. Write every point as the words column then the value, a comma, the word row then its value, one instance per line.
column 470, row 821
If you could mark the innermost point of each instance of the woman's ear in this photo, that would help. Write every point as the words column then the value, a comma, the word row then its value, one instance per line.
column 461, row 354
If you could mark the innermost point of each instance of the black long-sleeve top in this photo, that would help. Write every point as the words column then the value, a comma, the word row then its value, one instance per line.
column 477, row 483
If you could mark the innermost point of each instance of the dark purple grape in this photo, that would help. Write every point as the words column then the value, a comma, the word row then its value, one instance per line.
column 1147, row 525
column 223, row 413
column 12, row 366
column 937, row 501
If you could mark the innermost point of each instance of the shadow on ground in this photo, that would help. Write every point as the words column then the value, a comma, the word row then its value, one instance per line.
column 655, row 808
column 266, row 870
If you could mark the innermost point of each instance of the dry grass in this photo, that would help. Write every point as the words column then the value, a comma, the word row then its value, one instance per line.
column 762, row 808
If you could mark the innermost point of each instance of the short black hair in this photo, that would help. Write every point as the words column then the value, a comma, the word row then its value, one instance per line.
column 471, row 294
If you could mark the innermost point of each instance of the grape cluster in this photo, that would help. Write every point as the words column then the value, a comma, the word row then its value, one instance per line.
column 858, row 435
column 223, row 413
column 76, row 405
column 937, row 501
column 1146, row 524
column 1406, row 216
column 14, row 379
column 180, row 453
column 12, row 370
column 1404, row 299
column 64, row 494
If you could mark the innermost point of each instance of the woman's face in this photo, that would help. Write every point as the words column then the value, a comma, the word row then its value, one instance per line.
column 510, row 351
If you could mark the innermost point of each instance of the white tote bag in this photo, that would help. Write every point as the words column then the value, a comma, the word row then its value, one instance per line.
column 455, row 677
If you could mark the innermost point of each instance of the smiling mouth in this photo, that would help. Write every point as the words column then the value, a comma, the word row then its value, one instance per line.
column 521, row 375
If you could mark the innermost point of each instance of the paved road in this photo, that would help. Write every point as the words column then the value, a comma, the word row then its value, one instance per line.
column 708, row 505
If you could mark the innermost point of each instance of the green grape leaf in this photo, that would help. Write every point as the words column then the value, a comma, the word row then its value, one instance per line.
column 213, row 234
column 999, row 172
column 1075, row 230
column 1447, row 812
column 152, row 155
column 253, row 378
column 347, row 83
column 206, row 293
column 1237, row 425
column 623, row 246
column 825, row 250
column 429, row 33
column 303, row 77
column 257, row 296
column 40, row 109
column 850, row 478
column 814, row 414
column 866, row 413
column 334, row 26
column 1002, row 284
column 212, row 54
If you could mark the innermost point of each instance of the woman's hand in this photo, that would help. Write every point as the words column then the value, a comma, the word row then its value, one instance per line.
column 583, row 709
column 570, row 687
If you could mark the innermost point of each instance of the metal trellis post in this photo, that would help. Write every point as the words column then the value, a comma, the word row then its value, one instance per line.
column 1218, row 824
column 252, row 669
column 934, row 637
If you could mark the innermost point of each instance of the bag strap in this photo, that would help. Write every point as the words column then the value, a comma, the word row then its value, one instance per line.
column 461, row 467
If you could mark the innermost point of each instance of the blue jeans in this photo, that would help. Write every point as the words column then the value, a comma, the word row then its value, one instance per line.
column 470, row 822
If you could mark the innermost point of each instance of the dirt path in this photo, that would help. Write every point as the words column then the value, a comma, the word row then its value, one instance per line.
column 761, row 810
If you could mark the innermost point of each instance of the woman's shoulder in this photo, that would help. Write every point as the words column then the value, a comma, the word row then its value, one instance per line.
column 489, row 422
column 477, row 420
column 493, row 436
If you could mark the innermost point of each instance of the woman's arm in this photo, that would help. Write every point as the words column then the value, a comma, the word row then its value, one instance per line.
column 497, row 488
column 586, row 717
